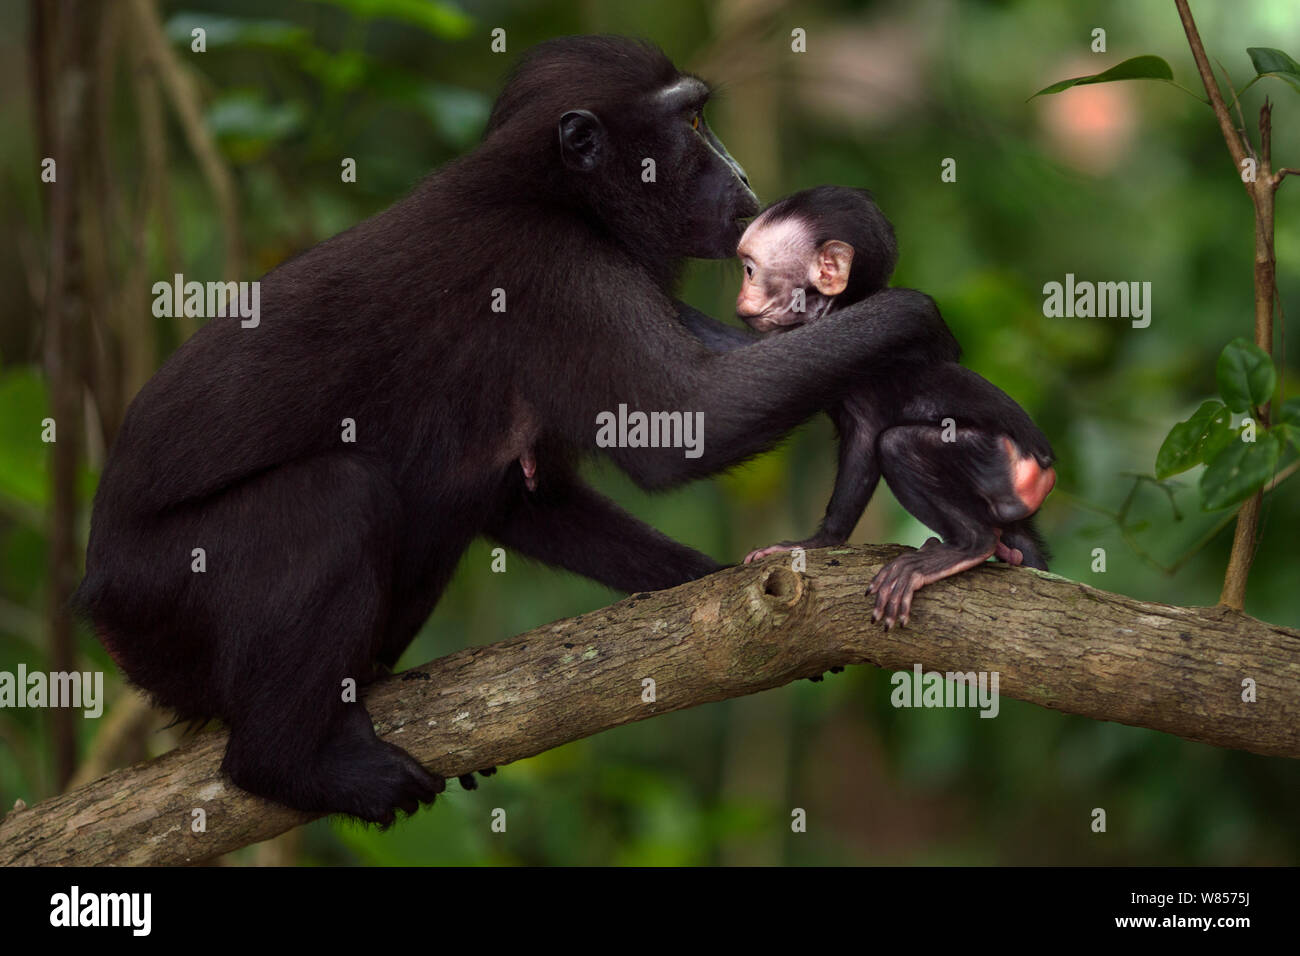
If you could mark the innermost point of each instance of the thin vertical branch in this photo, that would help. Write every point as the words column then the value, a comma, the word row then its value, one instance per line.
column 73, row 24
column 1211, row 87
column 1261, row 190
column 182, row 91
column 1265, row 257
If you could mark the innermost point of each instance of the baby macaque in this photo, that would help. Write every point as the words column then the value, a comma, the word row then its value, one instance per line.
column 957, row 452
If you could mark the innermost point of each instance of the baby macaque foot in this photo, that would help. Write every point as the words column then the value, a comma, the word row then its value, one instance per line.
column 1013, row 556
column 897, row 582
column 529, row 464
column 893, row 587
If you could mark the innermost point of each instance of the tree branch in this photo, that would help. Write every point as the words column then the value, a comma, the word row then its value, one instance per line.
column 1054, row 642
column 1230, row 137
column 1261, row 190
column 183, row 92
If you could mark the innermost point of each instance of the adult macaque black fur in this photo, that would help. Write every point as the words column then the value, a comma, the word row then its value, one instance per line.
column 957, row 451
column 324, row 557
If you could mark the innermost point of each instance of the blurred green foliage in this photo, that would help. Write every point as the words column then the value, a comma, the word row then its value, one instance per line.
column 1133, row 187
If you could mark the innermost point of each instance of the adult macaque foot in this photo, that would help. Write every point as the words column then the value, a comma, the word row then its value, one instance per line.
column 820, row 677
column 468, row 781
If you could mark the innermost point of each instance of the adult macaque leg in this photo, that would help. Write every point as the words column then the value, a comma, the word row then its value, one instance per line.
column 568, row 525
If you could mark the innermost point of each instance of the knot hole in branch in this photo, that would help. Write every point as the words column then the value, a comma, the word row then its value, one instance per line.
column 783, row 585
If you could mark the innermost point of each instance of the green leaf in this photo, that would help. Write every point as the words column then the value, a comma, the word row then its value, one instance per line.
column 1184, row 446
column 24, row 477
column 1286, row 424
column 1287, row 434
column 338, row 71
column 1220, row 437
column 1246, row 376
column 1239, row 471
column 1290, row 412
column 246, row 125
column 1271, row 62
column 459, row 115
column 1137, row 68
column 440, row 19
column 222, row 31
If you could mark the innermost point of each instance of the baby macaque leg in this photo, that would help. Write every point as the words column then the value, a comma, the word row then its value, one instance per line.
column 962, row 489
column 856, row 479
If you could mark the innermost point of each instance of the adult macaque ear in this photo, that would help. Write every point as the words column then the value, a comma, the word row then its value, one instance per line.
column 582, row 140
column 829, row 272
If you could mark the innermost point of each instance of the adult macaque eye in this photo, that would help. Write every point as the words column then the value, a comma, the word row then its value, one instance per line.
column 749, row 271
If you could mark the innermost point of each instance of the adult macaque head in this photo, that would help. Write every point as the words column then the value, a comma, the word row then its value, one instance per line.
column 805, row 254
column 610, row 104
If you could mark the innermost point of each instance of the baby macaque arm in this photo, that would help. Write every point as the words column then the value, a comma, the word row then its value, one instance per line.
column 856, row 477
column 855, row 482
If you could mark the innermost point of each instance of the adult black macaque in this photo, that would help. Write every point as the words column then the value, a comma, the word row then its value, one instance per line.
column 324, row 556
column 976, row 479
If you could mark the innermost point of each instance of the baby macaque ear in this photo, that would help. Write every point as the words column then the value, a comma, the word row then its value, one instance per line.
column 829, row 272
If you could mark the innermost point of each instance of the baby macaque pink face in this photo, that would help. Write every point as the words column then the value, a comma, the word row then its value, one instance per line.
column 789, row 280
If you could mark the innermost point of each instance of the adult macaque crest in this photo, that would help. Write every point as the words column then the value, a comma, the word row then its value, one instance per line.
column 978, row 480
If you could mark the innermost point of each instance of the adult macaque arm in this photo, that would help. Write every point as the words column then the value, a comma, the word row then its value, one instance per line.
column 718, row 336
column 753, row 395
